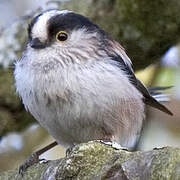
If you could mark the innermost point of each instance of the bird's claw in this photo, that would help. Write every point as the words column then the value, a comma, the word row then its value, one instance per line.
column 68, row 151
column 31, row 160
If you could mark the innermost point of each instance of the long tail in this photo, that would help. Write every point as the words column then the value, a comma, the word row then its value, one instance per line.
column 158, row 96
column 148, row 96
column 156, row 92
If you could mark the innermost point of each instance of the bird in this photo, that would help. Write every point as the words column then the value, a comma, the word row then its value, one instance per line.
column 79, row 84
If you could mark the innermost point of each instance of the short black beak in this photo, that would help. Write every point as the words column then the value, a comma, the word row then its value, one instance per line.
column 37, row 44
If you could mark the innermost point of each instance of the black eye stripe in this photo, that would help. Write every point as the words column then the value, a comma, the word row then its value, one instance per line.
column 69, row 22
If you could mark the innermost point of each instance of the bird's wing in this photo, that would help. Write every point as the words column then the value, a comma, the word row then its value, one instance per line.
column 121, row 57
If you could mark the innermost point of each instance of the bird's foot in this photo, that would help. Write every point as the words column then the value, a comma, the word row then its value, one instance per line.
column 115, row 145
column 31, row 160
column 34, row 158
column 68, row 151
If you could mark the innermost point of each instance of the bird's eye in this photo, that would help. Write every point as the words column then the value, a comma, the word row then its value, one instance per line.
column 61, row 36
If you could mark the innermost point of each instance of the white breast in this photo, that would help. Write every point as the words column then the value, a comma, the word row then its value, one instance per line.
column 76, row 103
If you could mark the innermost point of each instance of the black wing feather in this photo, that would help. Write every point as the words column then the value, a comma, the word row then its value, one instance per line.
column 148, row 99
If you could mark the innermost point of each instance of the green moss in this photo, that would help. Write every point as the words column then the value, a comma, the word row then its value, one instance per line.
column 95, row 160
column 164, row 164
column 31, row 173
column 85, row 159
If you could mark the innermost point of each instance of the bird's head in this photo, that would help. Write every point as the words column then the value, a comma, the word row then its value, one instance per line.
column 66, row 37
column 67, row 34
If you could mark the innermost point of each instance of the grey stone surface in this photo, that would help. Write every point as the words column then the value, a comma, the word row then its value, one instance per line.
column 97, row 161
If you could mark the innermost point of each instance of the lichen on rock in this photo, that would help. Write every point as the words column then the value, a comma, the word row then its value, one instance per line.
column 94, row 160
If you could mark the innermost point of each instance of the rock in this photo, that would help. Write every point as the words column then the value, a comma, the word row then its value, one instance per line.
column 95, row 160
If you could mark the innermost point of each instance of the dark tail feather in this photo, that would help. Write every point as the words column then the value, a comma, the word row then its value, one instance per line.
column 154, row 103
column 148, row 96
column 157, row 93
column 157, row 96
column 158, row 89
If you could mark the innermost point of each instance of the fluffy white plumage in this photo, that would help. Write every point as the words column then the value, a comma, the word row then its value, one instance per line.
column 69, row 102
column 76, row 89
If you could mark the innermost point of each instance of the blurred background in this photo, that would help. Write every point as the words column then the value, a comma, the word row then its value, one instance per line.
column 150, row 33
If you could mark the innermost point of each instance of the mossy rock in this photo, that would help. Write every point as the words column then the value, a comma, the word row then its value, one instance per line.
column 95, row 160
